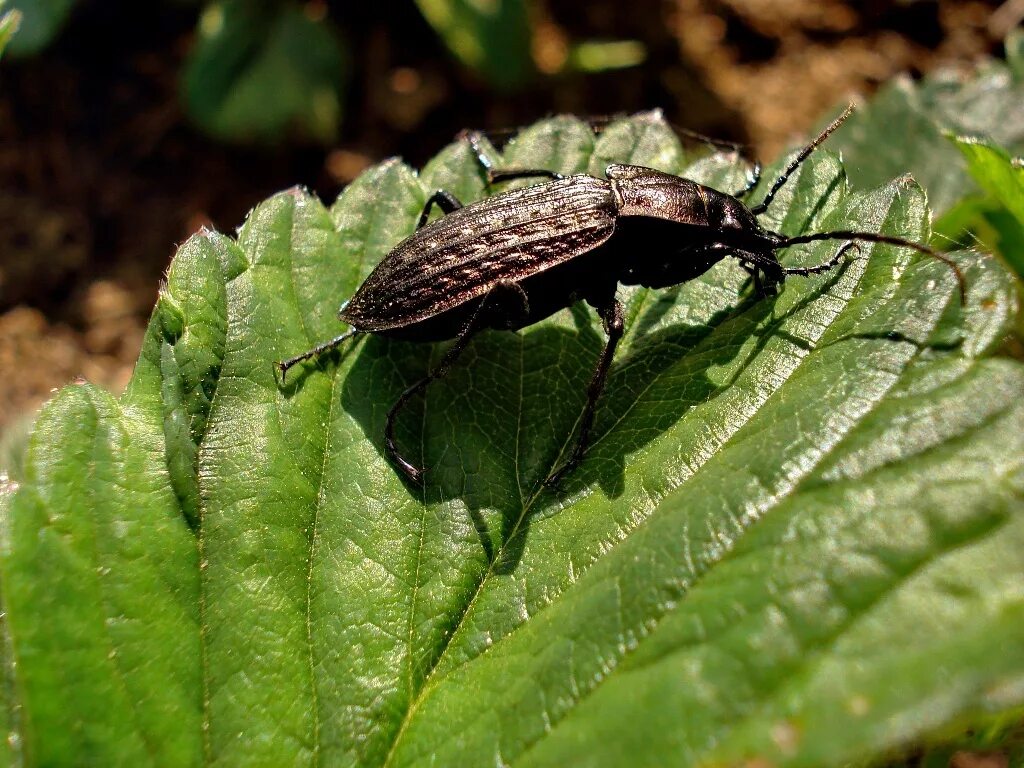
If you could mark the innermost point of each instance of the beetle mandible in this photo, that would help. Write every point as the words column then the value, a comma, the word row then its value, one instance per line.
column 511, row 260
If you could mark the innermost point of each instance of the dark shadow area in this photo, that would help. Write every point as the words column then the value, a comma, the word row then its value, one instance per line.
column 370, row 389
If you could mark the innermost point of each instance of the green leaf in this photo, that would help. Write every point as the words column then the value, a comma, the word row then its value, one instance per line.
column 997, row 218
column 996, row 172
column 259, row 70
column 491, row 37
column 798, row 537
column 41, row 21
column 904, row 126
column 9, row 23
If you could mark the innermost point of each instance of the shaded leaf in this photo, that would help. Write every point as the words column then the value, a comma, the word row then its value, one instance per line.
column 259, row 70
column 904, row 125
column 798, row 536
column 41, row 21
column 491, row 37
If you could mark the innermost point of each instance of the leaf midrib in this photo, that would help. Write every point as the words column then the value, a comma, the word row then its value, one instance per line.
column 653, row 501
column 976, row 534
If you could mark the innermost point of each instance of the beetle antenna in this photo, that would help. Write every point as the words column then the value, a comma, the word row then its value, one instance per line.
column 875, row 237
column 319, row 349
column 804, row 154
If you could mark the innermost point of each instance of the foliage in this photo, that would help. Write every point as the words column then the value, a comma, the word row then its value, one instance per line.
column 41, row 21
column 905, row 126
column 798, row 538
column 995, row 217
column 9, row 23
column 492, row 38
column 259, row 69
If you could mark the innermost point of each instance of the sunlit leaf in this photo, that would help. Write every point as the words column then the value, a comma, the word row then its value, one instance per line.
column 798, row 538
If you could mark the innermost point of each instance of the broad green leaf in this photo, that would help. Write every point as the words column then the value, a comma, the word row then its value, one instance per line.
column 904, row 126
column 996, row 218
column 259, row 70
column 798, row 537
column 40, row 22
column 996, row 172
column 489, row 36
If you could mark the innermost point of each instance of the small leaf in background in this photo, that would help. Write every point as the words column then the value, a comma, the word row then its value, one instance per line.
column 903, row 127
column 9, row 23
column 996, row 217
column 491, row 37
column 603, row 55
column 41, row 21
column 1015, row 53
column 798, row 538
column 259, row 70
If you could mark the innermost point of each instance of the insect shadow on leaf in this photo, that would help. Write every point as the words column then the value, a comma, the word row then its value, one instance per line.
column 513, row 259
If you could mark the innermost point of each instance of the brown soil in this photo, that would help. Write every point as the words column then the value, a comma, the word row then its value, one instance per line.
column 101, row 175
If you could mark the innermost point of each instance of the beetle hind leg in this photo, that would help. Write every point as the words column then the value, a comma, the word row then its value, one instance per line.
column 613, row 316
column 444, row 200
column 411, row 471
column 507, row 296
column 496, row 175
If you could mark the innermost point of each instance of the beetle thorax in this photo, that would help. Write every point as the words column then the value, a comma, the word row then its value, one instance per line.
column 645, row 192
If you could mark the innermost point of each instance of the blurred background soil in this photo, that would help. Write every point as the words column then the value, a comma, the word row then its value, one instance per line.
column 101, row 175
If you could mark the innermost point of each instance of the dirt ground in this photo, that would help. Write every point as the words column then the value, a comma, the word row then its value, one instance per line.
column 101, row 175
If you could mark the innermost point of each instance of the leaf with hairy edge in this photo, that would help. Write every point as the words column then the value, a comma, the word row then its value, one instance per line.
column 797, row 538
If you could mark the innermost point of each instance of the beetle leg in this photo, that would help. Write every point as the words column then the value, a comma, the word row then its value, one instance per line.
column 414, row 473
column 612, row 315
column 825, row 266
column 283, row 366
column 495, row 175
column 513, row 301
column 755, row 273
column 764, row 268
column 444, row 200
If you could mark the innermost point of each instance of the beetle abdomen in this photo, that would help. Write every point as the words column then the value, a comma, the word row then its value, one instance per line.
column 462, row 255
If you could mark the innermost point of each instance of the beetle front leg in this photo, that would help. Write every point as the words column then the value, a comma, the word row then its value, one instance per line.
column 495, row 175
column 444, row 200
column 612, row 315
column 755, row 273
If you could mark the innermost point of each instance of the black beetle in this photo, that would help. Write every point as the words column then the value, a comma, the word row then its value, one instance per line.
column 511, row 260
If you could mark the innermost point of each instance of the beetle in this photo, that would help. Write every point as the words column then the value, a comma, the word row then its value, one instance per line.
column 513, row 259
